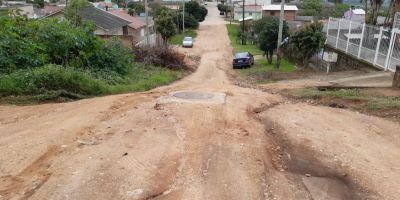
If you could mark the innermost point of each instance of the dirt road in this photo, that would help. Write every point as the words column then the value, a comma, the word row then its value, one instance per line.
column 214, row 140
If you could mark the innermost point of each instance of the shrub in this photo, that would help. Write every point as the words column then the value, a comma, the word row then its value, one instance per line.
column 50, row 78
column 190, row 21
column 194, row 9
column 30, row 44
column 160, row 56
column 305, row 42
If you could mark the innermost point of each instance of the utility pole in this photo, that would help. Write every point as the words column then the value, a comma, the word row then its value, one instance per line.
column 282, row 15
column 146, row 10
column 278, row 53
column 183, row 18
column 243, row 39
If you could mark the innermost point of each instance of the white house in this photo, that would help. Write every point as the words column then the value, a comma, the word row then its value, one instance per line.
column 355, row 15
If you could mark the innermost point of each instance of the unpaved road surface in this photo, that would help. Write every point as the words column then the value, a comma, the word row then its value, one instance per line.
column 218, row 141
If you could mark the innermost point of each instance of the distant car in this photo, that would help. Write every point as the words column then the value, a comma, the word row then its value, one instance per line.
column 187, row 42
column 205, row 3
column 243, row 59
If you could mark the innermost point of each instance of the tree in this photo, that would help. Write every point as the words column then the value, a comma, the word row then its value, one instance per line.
column 307, row 41
column 312, row 8
column 194, row 9
column 73, row 11
column 268, row 37
column 190, row 21
column 165, row 24
column 136, row 8
column 393, row 8
column 340, row 9
column 375, row 7
column 39, row 3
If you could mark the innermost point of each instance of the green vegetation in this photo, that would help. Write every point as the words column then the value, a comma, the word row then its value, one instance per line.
column 268, row 36
column 177, row 39
column 369, row 100
column 262, row 68
column 340, row 9
column 167, row 20
column 233, row 30
column 305, row 42
column 311, row 8
column 165, row 24
column 194, row 9
column 44, row 60
column 312, row 93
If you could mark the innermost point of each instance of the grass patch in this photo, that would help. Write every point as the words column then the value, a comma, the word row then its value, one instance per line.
column 262, row 66
column 178, row 38
column 368, row 100
column 262, row 72
column 312, row 93
column 238, row 47
column 53, row 83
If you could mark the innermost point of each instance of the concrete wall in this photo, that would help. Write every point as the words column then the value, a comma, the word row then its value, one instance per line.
column 344, row 62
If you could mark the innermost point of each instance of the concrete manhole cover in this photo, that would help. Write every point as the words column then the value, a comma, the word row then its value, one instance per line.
column 194, row 97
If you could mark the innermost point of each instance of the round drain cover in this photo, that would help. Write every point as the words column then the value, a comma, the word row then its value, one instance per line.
column 193, row 95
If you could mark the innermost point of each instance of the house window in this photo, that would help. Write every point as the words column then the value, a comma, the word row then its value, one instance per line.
column 272, row 13
column 141, row 32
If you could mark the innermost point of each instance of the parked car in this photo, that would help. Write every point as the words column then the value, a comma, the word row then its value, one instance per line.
column 243, row 59
column 205, row 3
column 187, row 42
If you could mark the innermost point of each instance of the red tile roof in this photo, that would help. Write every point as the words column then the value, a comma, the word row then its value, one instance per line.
column 50, row 9
column 136, row 23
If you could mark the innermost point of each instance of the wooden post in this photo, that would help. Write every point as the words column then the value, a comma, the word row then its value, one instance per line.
column 396, row 78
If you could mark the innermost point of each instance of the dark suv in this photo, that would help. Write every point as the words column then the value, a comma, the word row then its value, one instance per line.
column 243, row 59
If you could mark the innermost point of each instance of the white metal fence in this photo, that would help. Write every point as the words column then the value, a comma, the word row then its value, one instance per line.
column 373, row 44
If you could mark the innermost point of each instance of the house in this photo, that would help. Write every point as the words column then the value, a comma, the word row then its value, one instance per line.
column 290, row 11
column 113, row 23
column 49, row 9
column 106, row 23
column 26, row 9
column 355, row 15
column 136, row 28
column 254, row 11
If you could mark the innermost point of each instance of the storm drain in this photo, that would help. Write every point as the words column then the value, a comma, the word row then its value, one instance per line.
column 194, row 97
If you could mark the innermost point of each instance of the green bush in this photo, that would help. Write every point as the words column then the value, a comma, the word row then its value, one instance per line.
column 30, row 44
column 190, row 21
column 50, row 78
column 305, row 42
column 194, row 9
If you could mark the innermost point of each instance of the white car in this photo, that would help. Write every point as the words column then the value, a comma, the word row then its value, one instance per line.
column 205, row 3
column 187, row 42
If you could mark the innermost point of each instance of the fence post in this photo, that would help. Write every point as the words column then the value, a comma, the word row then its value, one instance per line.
column 338, row 33
column 361, row 40
column 378, row 45
column 348, row 38
column 389, row 53
column 327, row 30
